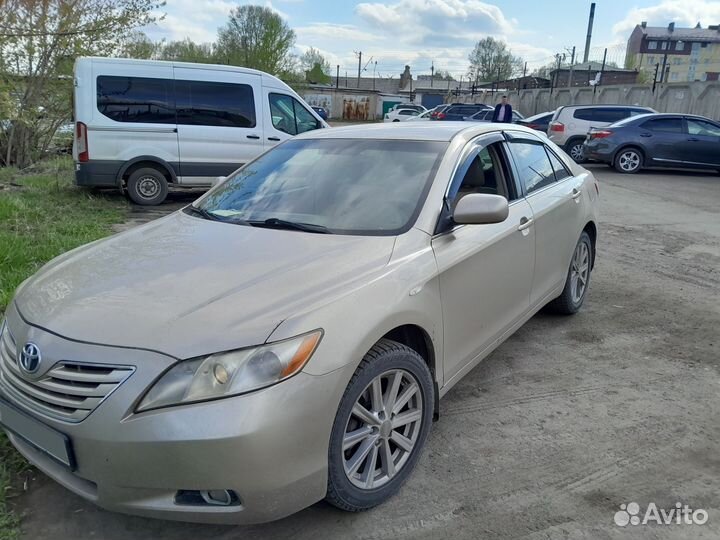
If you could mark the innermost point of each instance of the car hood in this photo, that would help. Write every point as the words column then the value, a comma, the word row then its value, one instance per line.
column 186, row 286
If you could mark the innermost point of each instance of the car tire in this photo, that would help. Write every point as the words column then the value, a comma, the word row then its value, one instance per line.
column 396, row 120
column 574, row 149
column 571, row 299
column 628, row 160
column 147, row 186
column 353, row 484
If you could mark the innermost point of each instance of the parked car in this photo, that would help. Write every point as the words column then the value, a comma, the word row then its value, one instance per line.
column 538, row 122
column 284, row 338
column 400, row 115
column 656, row 140
column 487, row 116
column 414, row 106
column 422, row 117
column 571, row 124
column 322, row 113
column 144, row 124
column 459, row 112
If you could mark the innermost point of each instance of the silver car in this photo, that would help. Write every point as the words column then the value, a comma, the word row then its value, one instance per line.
column 288, row 337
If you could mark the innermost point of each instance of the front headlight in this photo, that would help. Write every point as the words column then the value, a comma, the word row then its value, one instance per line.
column 231, row 373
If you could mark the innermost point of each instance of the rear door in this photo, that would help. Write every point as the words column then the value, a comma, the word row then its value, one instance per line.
column 219, row 121
column 663, row 139
column 555, row 198
column 702, row 144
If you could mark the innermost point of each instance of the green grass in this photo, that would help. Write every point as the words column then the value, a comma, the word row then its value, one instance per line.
column 41, row 216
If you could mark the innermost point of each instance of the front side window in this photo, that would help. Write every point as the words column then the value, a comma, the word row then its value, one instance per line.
column 485, row 174
column 664, row 125
column 136, row 99
column 533, row 165
column 345, row 186
column 700, row 127
column 290, row 117
column 205, row 103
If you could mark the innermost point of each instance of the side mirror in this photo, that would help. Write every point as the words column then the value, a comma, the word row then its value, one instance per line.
column 218, row 180
column 480, row 208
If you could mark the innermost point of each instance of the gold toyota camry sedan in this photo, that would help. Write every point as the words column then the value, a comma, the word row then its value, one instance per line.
column 288, row 337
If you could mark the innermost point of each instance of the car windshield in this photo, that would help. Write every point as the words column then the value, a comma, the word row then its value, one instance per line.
column 344, row 186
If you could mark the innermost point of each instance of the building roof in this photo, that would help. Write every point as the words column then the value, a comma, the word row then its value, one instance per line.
column 383, row 85
column 712, row 33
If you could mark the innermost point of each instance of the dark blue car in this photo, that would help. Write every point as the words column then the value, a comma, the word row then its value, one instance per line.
column 460, row 110
column 322, row 113
column 656, row 140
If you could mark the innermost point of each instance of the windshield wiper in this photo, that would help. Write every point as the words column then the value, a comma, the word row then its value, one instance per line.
column 277, row 223
column 203, row 213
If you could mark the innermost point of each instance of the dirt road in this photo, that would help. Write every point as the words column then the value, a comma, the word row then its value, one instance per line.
column 566, row 421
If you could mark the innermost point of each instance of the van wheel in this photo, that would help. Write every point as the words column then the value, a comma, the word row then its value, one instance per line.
column 380, row 427
column 147, row 186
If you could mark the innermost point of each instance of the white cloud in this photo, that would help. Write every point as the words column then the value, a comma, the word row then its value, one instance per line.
column 685, row 13
column 329, row 31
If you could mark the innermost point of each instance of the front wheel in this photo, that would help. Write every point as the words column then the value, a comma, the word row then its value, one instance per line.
column 380, row 427
column 578, row 279
column 628, row 161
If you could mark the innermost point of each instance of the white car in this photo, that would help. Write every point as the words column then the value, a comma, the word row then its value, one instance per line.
column 423, row 117
column 415, row 106
column 144, row 124
column 400, row 115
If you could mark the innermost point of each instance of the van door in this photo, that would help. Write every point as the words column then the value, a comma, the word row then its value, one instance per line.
column 287, row 117
column 219, row 120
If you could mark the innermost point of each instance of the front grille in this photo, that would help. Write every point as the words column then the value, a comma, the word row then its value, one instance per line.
column 69, row 391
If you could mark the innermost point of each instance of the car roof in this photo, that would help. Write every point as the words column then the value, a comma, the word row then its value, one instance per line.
column 605, row 106
column 672, row 115
column 420, row 131
column 539, row 115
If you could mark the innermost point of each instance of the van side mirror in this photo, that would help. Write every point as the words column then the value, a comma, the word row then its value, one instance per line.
column 480, row 208
column 218, row 180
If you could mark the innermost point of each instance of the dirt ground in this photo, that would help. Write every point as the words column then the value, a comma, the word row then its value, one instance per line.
column 567, row 420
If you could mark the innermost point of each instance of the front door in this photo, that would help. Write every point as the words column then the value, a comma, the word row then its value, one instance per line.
column 485, row 271
column 219, row 117
column 287, row 117
column 702, row 144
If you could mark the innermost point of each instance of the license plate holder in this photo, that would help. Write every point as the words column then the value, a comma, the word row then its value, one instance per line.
column 46, row 439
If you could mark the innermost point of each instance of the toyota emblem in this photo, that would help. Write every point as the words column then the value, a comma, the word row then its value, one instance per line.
column 30, row 358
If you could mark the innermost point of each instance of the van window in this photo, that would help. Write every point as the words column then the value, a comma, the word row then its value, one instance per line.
column 205, row 103
column 136, row 99
column 289, row 116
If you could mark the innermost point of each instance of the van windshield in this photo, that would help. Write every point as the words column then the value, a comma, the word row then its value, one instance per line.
column 344, row 186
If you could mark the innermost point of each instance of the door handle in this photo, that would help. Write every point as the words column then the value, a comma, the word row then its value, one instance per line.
column 576, row 193
column 525, row 223
column 273, row 138
column 253, row 136
column 646, row 134
column 693, row 139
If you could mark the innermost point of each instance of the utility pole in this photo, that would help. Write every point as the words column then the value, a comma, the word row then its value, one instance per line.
column 374, row 69
column 432, row 73
column 589, row 32
column 662, row 75
column 554, row 81
column 359, row 55
column 524, row 75
column 602, row 71
column 572, row 64
column 337, row 78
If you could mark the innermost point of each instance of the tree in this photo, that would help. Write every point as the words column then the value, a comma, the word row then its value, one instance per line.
column 443, row 75
column 256, row 37
column 312, row 57
column 138, row 45
column 491, row 60
column 39, row 41
column 187, row 51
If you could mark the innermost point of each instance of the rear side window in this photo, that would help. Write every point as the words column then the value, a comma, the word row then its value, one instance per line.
column 664, row 125
column 136, row 99
column 533, row 165
column 289, row 116
column 205, row 103
column 585, row 114
column 602, row 114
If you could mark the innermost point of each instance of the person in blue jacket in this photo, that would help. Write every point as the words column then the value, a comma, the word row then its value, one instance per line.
column 503, row 112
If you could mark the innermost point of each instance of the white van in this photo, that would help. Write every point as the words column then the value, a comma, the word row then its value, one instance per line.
column 143, row 124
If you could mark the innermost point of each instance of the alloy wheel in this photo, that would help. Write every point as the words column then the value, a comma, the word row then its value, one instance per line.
column 629, row 160
column 579, row 272
column 576, row 152
column 382, row 430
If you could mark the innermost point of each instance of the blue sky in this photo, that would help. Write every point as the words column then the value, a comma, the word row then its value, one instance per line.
column 441, row 32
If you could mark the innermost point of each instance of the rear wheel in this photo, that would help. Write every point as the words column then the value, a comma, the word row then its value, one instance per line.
column 578, row 279
column 628, row 160
column 147, row 186
column 575, row 150
column 380, row 427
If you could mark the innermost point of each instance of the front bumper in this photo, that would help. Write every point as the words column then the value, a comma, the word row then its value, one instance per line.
column 269, row 447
